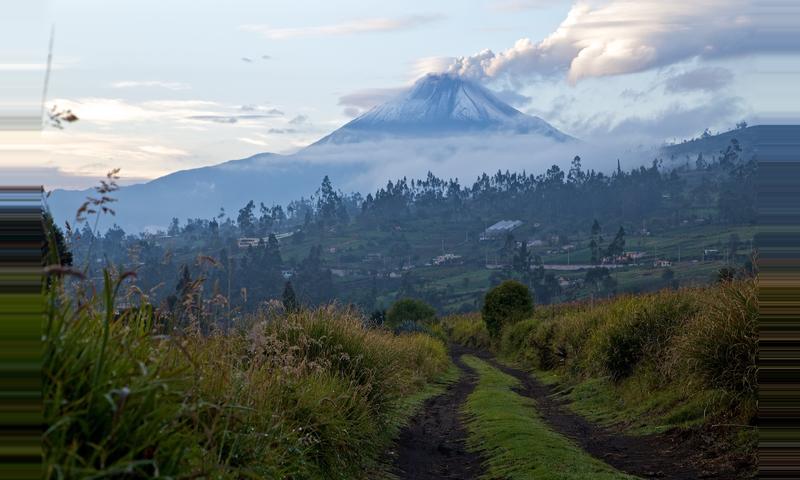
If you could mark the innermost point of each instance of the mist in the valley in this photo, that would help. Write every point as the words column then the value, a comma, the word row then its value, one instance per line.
column 372, row 164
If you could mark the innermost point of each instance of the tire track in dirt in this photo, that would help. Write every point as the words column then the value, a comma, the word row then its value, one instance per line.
column 433, row 444
column 665, row 456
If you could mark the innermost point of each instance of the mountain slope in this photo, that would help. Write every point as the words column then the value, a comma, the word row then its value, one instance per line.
column 200, row 192
column 441, row 104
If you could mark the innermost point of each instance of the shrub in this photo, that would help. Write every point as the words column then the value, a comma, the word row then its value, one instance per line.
column 468, row 330
column 407, row 326
column 505, row 304
column 641, row 329
column 719, row 347
column 410, row 310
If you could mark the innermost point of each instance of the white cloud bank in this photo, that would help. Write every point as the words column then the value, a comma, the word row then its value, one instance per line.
column 626, row 36
column 175, row 86
column 365, row 25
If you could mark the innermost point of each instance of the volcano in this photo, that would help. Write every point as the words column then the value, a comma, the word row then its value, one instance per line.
column 442, row 105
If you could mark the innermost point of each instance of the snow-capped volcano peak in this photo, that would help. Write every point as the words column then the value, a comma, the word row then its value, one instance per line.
column 441, row 104
column 443, row 98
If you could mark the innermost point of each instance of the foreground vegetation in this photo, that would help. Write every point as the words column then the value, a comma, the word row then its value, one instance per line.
column 309, row 394
column 645, row 363
column 519, row 445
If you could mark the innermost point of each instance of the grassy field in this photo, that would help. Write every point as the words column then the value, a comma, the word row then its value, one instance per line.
column 507, row 429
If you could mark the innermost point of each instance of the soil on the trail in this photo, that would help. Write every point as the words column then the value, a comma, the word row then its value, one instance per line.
column 433, row 444
column 666, row 456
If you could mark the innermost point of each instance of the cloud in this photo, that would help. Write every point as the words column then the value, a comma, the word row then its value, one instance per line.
column 369, row 97
column 266, row 57
column 707, row 79
column 281, row 131
column 558, row 109
column 162, row 150
column 82, row 154
column 370, row 164
column 352, row 111
column 677, row 120
column 520, row 5
column 513, row 97
column 215, row 118
column 56, row 177
column 253, row 141
column 247, row 60
column 627, row 36
column 425, row 65
column 276, row 112
column 634, row 95
column 107, row 111
column 366, row 25
column 151, row 84
column 299, row 120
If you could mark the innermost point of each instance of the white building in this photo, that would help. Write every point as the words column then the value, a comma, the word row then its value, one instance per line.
column 446, row 258
column 500, row 229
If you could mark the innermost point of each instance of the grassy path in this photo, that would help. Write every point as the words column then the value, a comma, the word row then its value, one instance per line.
column 498, row 422
column 506, row 427
column 433, row 445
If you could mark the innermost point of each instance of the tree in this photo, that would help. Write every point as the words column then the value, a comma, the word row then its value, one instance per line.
column 726, row 275
column 174, row 227
column 330, row 207
column 505, row 304
column 264, row 220
column 184, row 282
column 410, row 310
column 617, row 246
column 290, row 299
column 667, row 275
column 594, row 243
column 314, row 281
column 246, row 219
column 522, row 261
column 61, row 255
column 575, row 175
column 596, row 276
column 700, row 163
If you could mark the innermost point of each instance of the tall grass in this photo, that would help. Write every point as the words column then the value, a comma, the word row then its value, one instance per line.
column 688, row 345
column 467, row 329
column 311, row 394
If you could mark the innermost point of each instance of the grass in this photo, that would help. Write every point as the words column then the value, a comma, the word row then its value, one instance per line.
column 467, row 329
column 518, row 445
column 646, row 363
column 314, row 394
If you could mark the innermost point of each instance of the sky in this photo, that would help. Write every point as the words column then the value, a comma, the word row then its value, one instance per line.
column 163, row 86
